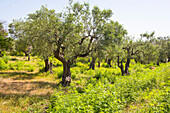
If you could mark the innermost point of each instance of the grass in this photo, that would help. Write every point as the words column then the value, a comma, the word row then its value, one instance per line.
column 147, row 91
column 24, row 87
column 23, row 91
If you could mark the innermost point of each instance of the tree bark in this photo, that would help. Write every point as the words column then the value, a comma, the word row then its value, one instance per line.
column 106, row 60
column 109, row 62
column 0, row 53
column 66, row 78
column 127, row 66
column 51, row 67
column 92, row 64
column 157, row 63
column 28, row 57
column 46, row 65
column 26, row 54
column 162, row 61
column 98, row 64
column 120, row 66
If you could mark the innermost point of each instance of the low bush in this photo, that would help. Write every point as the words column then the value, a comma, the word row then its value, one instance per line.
column 89, row 72
column 3, row 53
column 30, row 68
column 3, row 65
column 105, row 75
column 101, row 96
column 19, row 65
column 6, row 59
column 40, row 63
column 105, row 65
column 12, row 66
column 59, row 73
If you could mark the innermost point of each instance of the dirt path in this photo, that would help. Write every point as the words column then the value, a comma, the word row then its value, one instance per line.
column 21, row 91
column 30, row 87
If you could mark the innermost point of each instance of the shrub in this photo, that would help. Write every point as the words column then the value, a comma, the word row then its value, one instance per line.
column 138, row 68
column 12, row 66
column 111, row 79
column 3, row 53
column 105, row 76
column 59, row 73
column 105, row 65
column 40, row 63
column 98, row 74
column 19, row 65
column 99, row 96
column 75, row 70
column 150, row 65
column 6, row 59
column 30, row 68
column 73, row 76
column 3, row 65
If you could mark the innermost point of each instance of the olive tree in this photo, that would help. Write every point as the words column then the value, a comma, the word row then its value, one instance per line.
column 146, row 50
column 163, row 48
column 5, row 41
column 66, row 35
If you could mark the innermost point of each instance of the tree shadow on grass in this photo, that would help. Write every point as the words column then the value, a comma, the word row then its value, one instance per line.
column 16, row 97
column 20, row 75
column 15, row 92
column 26, row 87
column 23, row 101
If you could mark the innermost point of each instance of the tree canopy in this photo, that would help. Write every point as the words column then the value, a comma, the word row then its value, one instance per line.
column 5, row 41
column 67, row 35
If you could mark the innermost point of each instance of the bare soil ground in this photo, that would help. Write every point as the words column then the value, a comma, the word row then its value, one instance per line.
column 18, row 87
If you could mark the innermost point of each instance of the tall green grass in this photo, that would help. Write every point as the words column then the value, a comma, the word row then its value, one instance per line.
column 149, row 89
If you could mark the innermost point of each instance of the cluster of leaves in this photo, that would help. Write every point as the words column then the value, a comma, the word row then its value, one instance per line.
column 126, row 90
column 5, row 41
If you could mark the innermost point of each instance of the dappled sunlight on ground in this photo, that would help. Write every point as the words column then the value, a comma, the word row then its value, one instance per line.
column 18, row 90
column 26, row 87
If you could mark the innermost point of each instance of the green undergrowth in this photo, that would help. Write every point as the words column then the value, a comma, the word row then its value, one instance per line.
column 13, row 64
column 101, row 90
column 144, row 91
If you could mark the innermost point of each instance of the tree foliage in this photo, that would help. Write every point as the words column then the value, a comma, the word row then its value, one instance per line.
column 5, row 41
column 67, row 35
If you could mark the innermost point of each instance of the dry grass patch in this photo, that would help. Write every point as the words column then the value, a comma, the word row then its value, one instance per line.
column 25, row 91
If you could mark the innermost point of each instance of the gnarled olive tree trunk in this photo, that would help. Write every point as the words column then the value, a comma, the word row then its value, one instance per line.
column 27, row 55
column 92, row 64
column 0, row 53
column 66, row 78
column 98, row 64
column 120, row 65
column 109, row 62
column 48, row 66
column 127, row 66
